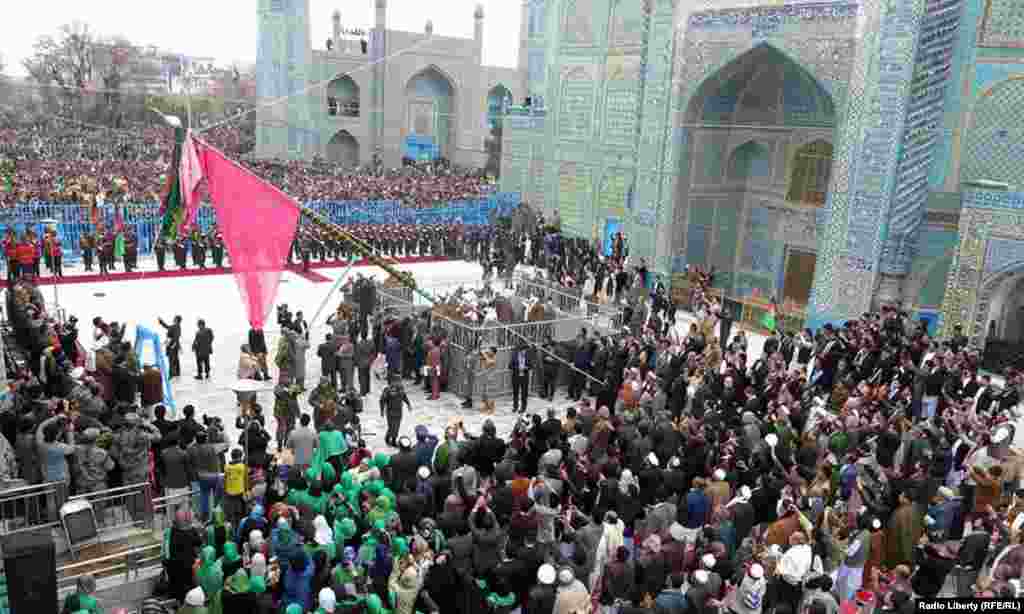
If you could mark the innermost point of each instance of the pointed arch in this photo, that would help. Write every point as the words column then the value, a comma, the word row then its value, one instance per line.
column 751, row 160
column 431, row 97
column 343, row 97
column 343, row 149
column 760, row 75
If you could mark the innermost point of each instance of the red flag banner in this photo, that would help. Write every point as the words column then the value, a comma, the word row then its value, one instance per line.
column 258, row 224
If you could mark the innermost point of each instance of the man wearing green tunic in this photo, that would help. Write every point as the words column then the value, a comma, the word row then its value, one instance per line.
column 211, row 579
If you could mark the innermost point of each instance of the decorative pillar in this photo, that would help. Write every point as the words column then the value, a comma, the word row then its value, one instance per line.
column 378, row 53
column 336, row 30
column 874, row 210
column 478, row 34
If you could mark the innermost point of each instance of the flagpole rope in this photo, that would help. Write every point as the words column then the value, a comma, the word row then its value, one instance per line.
column 312, row 87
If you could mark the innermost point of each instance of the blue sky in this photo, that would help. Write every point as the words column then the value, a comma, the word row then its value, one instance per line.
column 226, row 29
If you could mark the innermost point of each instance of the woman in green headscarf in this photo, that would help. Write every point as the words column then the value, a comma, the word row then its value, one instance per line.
column 293, row 609
column 210, row 578
column 232, row 560
column 344, row 530
column 381, row 511
column 218, row 531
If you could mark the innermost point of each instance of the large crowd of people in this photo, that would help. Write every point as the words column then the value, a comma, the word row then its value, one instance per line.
column 66, row 162
column 852, row 468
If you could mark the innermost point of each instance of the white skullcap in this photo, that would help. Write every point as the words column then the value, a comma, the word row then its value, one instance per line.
column 1000, row 435
column 701, row 576
column 546, row 574
column 652, row 458
column 674, row 462
column 771, row 439
column 677, row 532
column 745, row 492
column 756, row 571
column 195, row 597
column 327, row 600
column 423, row 472
column 719, row 474
column 708, row 560
column 876, row 524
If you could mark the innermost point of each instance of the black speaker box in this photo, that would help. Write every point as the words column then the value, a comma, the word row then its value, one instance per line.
column 30, row 564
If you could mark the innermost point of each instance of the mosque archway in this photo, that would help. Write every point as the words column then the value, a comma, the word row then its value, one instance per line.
column 430, row 112
column 1001, row 319
column 757, row 134
column 343, row 149
column 343, row 97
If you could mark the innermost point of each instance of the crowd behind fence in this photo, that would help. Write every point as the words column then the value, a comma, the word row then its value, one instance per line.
column 74, row 220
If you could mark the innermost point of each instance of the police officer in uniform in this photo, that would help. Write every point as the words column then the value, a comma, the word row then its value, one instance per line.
column 131, row 449
column 92, row 463
column 391, row 401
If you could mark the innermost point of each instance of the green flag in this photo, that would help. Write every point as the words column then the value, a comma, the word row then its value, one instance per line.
column 768, row 319
column 172, row 210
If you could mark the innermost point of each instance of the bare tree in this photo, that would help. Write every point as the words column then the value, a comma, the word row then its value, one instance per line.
column 66, row 62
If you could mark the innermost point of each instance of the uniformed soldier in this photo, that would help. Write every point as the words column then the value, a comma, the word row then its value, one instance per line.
column 92, row 463
column 391, row 402
column 160, row 249
column 131, row 449
column 180, row 254
column 217, row 248
column 87, row 243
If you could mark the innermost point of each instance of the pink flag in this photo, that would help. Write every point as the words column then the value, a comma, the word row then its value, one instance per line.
column 258, row 223
column 189, row 174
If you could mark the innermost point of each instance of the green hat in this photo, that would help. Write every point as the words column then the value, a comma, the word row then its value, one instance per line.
column 399, row 547
column 231, row 553
column 346, row 529
column 381, row 460
column 239, row 582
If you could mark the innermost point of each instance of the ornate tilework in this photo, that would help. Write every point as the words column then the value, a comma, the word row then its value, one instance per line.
column 995, row 142
column 1004, row 24
column 1001, row 254
column 982, row 261
column 768, row 19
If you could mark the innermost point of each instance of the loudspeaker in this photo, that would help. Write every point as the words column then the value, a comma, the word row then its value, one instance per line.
column 30, row 564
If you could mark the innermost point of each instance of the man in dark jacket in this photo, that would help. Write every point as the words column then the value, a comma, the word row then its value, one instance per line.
column 327, row 351
column 391, row 402
column 202, row 345
column 174, row 345
column 365, row 352
column 520, row 364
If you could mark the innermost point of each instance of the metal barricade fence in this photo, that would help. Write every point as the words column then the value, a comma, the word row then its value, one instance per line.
column 31, row 507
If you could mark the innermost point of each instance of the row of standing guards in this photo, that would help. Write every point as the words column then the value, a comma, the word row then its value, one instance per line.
column 74, row 220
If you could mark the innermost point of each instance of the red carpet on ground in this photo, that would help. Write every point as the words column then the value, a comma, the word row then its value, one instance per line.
column 120, row 275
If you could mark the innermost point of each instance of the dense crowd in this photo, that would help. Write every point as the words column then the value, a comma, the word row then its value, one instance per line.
column 58, row 161
column 850, row 468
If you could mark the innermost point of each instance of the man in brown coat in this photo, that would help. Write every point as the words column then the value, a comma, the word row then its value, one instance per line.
column 152, row 386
